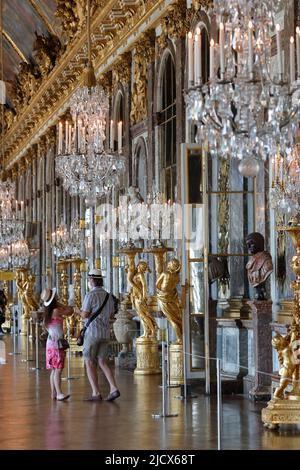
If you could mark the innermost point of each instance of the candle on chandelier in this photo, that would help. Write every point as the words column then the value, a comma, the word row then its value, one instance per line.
column 191, row 58
column 279, row 52
column 70, row 138
column 66, row 137
column 22, row 209
column 60, row 131
column 222, row 49
column 120, row 136
column 298, row 50
column 111, row 135
column 79, row 135
column 211, row 59
column 292, row 59
column 197, row 57
column 250, row 47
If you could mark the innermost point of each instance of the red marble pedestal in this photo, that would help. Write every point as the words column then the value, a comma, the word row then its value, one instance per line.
column 262, row 347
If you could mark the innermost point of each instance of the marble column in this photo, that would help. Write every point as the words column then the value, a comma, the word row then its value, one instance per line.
column 262, row 336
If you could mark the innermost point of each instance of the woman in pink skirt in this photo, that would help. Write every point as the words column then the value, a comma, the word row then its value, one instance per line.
column 53, row 322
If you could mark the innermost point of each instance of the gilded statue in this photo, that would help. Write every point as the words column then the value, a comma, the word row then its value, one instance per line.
column 168, row 299
column 30, row 302
column 260, row 265
column 138, row 294
column 20, row 283
column 289, row 364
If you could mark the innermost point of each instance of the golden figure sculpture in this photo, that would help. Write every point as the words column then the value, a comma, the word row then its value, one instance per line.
column 289, row 368
column 136, row 278
column 30, row 302
column 168, row 299
column 20, row 283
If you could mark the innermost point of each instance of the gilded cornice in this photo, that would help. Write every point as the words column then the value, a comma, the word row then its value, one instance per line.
column 51, row 137
column 42, row 146
column 56, row 90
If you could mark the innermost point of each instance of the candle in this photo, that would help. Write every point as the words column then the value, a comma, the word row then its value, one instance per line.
column 211, row 60
column 190, row 59
column 250, row 47
column 120, row 136
column 292, row 59
column 79, row 135
column 70, row 138
column 280, row 68
column 112, row 135
column 197, row 57
column 222, row 50
column 75, row 136
column 22, row 209
column 60, row 138
column 298, row 50
column 66, row 137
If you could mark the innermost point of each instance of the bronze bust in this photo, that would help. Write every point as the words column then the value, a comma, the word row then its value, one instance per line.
column 259, row 266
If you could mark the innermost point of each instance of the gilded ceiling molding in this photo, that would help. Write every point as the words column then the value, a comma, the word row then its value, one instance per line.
column 54, row 93
column 14, row 46
column 122, row 70
column 143, row 56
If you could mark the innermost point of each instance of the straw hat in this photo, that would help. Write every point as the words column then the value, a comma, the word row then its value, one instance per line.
column 48, row 295
column 95, row 273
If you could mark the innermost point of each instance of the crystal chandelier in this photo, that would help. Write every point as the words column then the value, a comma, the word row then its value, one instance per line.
column 247, row 109
column 20, row 254
column 285, row 190
column 68, row 244
column 83, row 164
column 11, row 227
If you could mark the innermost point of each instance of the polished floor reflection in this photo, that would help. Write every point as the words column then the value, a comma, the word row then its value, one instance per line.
column 30, row 420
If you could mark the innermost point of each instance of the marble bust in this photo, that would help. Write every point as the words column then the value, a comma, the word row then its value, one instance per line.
column 259, row 266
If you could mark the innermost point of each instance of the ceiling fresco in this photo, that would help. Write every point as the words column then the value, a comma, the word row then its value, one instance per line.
column 21, row 18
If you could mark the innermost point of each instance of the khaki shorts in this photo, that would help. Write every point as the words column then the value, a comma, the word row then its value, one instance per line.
column 94, row 349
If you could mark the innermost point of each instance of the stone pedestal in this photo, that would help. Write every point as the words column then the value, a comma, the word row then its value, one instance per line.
column 176, row 364
column 147, row 357
column 262, row 348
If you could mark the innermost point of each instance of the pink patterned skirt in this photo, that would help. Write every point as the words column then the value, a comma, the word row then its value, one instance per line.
column 55, row 358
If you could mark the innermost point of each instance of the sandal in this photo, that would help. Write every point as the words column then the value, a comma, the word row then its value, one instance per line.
column 113, row 395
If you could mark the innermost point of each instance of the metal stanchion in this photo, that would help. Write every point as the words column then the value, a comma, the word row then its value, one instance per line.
column 27, row 344
column 69, row 358
column 219, row 402
column 163, row 414
column 15, row 352
column 37, row 361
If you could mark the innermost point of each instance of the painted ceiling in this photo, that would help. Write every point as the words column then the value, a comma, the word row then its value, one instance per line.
column 21, row 18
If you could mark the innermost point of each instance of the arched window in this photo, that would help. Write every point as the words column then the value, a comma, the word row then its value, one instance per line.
column 167, row 123
column 141, row 168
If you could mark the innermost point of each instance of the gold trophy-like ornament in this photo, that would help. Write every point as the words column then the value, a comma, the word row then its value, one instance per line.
column 284, row 408
column 170, row 305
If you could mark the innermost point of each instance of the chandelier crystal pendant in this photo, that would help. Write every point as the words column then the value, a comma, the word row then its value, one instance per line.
column 86, row 169
column 249, row 106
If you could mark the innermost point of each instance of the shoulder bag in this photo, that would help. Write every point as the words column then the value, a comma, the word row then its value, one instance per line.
column 80, row 338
